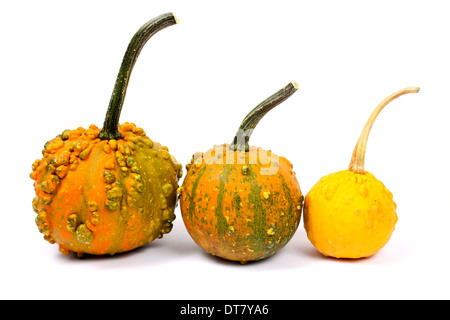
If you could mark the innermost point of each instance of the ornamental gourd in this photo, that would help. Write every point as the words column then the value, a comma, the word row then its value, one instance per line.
column 109, row 190
column 239, row 202
column 350, row 213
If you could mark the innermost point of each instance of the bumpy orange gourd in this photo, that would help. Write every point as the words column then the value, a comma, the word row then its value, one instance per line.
column 104, row 196
column 350, row 213
column 239, row 202
column 110, row 190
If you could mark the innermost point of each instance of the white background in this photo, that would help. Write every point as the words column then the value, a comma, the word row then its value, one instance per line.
column 190, row 89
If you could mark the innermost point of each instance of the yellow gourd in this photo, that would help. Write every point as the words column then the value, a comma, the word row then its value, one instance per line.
column 351, row 214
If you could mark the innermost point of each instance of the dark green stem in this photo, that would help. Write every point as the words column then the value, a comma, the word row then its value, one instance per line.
column 111, row 125
column 240, row 141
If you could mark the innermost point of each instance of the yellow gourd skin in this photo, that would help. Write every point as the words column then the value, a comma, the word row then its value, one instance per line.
column 349, row 215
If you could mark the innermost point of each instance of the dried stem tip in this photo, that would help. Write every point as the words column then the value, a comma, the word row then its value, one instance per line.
column 357, row 161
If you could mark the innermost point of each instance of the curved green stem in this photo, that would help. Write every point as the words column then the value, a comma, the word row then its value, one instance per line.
column 242, row 137
column 110, row 128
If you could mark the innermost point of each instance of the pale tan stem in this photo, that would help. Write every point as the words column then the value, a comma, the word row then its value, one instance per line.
column 357, row 162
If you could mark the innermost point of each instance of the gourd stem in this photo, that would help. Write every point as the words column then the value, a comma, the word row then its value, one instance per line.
column 357, row 161
column 110, row 128
column 241, row 139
